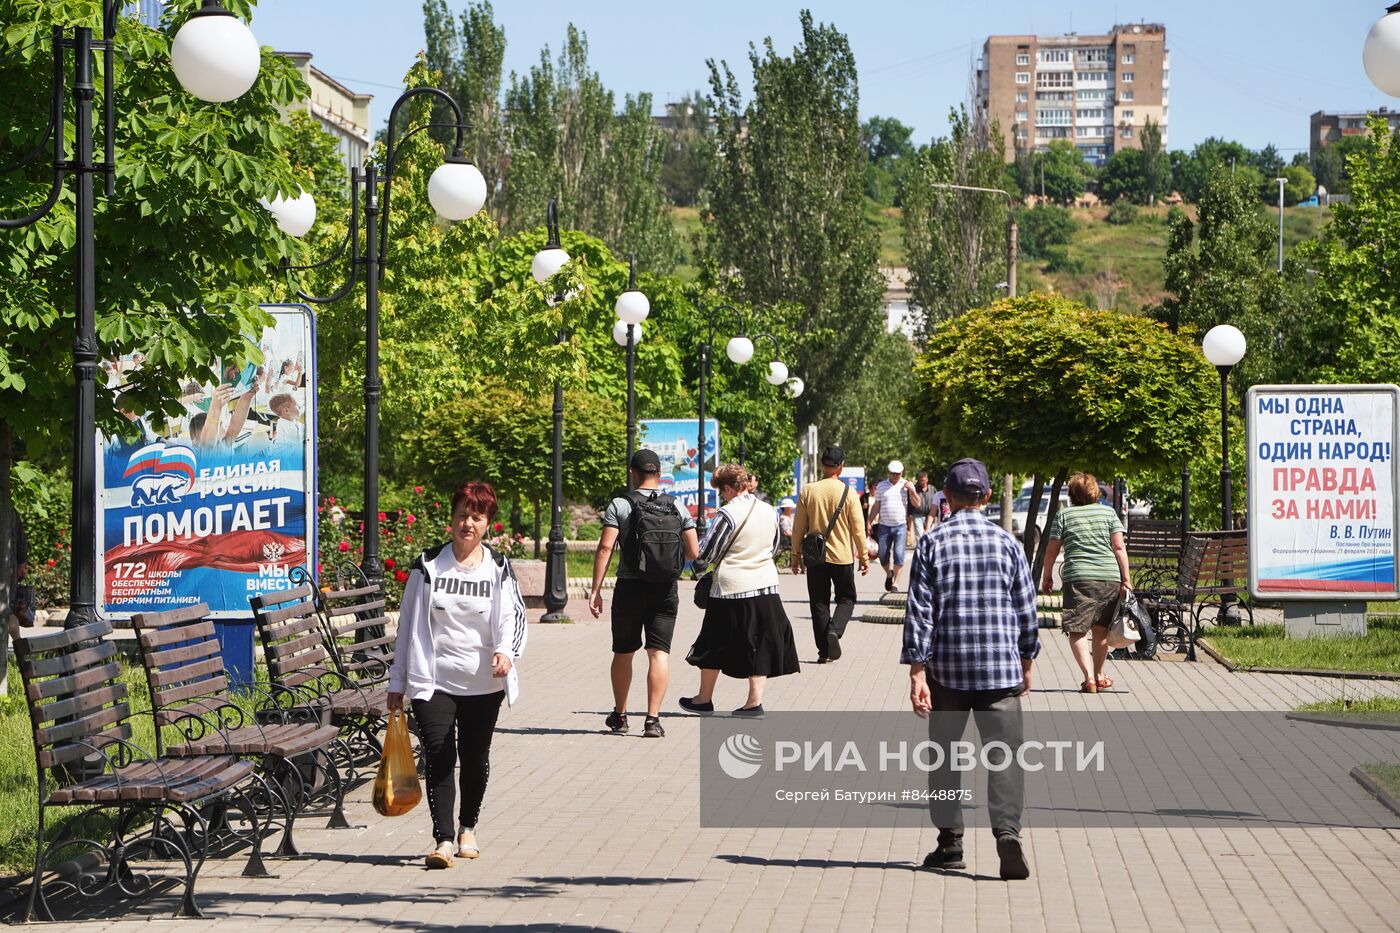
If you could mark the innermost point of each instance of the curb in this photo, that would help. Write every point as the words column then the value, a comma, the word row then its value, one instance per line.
column 1232, row 667
column 1374, row 788
column 884, row 615
column 1331, row 719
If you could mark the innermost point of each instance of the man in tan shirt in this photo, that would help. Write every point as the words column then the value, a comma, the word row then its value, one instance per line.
column 845, row 546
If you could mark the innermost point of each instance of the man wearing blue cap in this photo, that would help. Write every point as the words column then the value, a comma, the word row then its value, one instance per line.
column 970, row 638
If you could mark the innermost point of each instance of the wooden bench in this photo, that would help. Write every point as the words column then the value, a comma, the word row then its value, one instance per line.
column 1154, row 552
column 119, row 837
column 1213, row 572
column 294, row 646
column 190, row 698
column 355, row 626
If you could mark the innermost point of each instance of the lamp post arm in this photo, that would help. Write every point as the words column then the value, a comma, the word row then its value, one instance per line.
column 710, row 320
column 352, row 238
column 54, row 131
column 391, row 152
column 777, row 350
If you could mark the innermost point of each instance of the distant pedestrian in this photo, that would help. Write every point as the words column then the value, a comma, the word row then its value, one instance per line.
column 745, row 633
column 787, row 511
column 461, row 630
column 1094, row 576
column 886, row 521
column 657, row 536
column 921, row 515
column 828, row 541
column 970, row 639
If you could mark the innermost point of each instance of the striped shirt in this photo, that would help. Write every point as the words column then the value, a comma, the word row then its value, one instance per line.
column 971, row 619
column 717, row 535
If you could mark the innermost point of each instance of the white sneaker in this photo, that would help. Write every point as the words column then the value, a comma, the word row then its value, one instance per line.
column 440, row 857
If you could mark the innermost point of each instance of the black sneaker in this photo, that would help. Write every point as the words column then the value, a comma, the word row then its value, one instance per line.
column 889, row 582
column 1013, row 859
column 617, row 722
column 945, row 857
column 651, row 728
column 755, row 711
column 689, row 704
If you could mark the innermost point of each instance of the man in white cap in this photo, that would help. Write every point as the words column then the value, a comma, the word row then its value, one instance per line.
column 888, row 516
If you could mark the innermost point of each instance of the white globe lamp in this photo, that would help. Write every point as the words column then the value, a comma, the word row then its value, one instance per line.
column 294, row 216
column 633, row 307
column 1380, row 54
column 777, row 373
column 739, row 349
column 214, row 55
column 620, row 333
column 456, row 189
column 1223, row 345
column 795, row 386
column 547, row 262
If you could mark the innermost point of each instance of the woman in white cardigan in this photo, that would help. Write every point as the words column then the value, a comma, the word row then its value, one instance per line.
column 461, row 629
column 746, row 632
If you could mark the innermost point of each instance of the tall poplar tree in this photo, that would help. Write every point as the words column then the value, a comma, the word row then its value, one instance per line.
column 468, row 53
column 786, row 204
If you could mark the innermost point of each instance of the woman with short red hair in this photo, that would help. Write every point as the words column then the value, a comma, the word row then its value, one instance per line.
column 461, row 629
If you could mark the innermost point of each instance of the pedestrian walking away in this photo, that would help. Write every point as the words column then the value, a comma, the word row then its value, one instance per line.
column 970, row 640
column 656, row 536
column 829, row 541
column 1094, row 576
column 888, row 517
column 461, row 630
column 746, row 632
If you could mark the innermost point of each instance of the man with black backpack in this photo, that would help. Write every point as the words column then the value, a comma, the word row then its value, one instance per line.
column 657, row 537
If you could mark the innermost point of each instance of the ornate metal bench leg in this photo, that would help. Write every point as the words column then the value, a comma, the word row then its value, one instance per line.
column 255, row 867
column 337, row 788
column 293, row 799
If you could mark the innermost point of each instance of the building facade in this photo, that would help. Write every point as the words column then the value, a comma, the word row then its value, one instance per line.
column 1095, row 91
column 1328, row 127
column 340, row 111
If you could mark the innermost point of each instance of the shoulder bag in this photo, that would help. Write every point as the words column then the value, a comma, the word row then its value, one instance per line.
column 813, row 544
column 706, row 581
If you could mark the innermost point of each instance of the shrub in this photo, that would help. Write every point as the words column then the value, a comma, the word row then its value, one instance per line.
column 1042, row 228
column 1122, row 212
column 1058, row 259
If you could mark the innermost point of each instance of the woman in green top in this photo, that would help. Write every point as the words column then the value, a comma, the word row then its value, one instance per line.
column 1095, row 575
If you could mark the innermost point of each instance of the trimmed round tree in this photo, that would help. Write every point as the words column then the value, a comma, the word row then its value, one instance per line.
column 1042, row 384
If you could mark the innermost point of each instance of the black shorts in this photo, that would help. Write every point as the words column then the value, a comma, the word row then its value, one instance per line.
column 640, row 606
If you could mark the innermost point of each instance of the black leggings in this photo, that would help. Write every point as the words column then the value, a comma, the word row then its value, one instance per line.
column 473, row 718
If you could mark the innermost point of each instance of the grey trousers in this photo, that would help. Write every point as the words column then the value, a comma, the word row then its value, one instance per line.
column 997, row 714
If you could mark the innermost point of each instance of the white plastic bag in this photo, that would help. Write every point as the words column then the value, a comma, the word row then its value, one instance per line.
column 1125, row 632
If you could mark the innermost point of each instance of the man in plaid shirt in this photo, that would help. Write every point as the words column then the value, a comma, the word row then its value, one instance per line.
column 970, row 638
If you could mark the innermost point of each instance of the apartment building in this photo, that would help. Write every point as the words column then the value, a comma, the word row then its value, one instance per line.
column 341, row 112
column 1095, row 91
column 1329, row 126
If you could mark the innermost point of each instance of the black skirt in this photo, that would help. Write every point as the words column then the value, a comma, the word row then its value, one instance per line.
column 749, row 637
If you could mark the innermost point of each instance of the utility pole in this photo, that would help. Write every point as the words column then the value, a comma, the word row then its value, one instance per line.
column 1280, row 223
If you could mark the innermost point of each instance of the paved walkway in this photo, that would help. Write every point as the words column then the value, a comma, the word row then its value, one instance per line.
column 584, row 830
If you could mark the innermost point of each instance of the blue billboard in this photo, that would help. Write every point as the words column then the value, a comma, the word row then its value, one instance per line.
column 674, row 441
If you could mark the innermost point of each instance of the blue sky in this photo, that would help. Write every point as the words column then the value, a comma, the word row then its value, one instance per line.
column 1242, row 69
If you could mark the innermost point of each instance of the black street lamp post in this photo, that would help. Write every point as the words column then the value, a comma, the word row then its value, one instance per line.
column 210, row 56
column 1223, row 346
column 546, row 263
column 739, row 349
column 632, row 309
column 456, row 191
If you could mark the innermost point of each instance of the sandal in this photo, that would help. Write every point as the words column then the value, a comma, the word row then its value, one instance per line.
column 1105, row 682
column 1088, row 687
column 466, row 844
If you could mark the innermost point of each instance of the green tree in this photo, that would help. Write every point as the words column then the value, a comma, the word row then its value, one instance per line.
column 955, row 240
column 889, row 154
column 566, row 140
column 1041, row 384
column 1352, row 333
column 1155, row 170
column 183, row 247
column 874, row 424
column 468, row 53
column 1043, row 228
column 1300, row 184
column 690, row 151
column 1191, row 173
column 1221, row 270
column 1064, row 173
column 1122, row 177
column 787, row 204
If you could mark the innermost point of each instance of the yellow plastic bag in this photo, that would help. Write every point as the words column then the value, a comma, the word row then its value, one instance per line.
column 396, row 787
